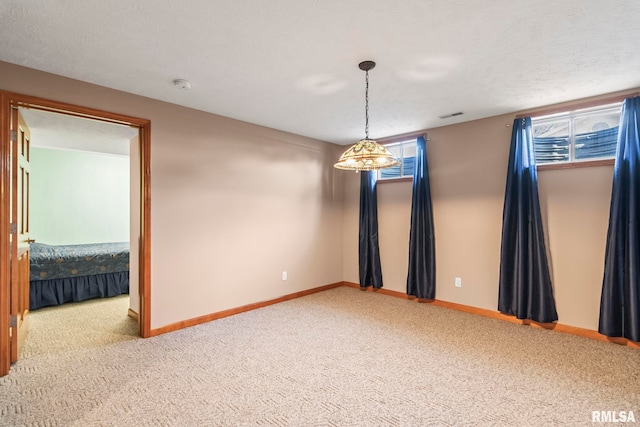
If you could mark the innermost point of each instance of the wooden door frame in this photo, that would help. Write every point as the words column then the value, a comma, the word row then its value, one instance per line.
column 9, row 100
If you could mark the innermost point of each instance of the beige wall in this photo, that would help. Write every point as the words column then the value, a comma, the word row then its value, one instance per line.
column 223, row 229
column 575, row 208
column 232, row 204
column 467, row 173
column 468, row 164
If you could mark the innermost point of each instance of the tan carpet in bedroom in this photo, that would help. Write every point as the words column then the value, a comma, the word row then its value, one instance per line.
column 337, row 358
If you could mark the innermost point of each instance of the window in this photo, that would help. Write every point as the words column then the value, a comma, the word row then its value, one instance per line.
column 578, row 135
column 404, row 151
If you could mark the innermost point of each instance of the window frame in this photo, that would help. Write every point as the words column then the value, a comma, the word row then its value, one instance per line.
column 571, row 116
column 393, row 142
column 620, row 97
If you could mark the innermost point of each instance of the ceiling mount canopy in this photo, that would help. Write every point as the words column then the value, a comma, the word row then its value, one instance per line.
column 366, row 154
column 367, row 65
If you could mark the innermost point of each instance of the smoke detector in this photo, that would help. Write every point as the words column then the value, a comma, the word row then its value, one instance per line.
column 182, row 84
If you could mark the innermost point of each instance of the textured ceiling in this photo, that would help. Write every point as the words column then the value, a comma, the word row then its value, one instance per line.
column 292, row 64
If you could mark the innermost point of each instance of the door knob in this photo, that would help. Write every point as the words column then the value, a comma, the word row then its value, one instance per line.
column 30, row 240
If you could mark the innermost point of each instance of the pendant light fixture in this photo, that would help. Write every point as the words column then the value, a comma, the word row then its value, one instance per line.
column 366, row 154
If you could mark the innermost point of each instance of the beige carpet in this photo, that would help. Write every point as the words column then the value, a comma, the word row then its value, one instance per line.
column 337, row 358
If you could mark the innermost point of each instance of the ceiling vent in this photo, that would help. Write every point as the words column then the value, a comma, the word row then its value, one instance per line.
column 446, row 116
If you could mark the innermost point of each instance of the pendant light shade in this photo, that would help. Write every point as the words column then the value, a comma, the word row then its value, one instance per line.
column 366, row 154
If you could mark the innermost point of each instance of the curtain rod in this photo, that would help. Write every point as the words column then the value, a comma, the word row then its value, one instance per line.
column 578, row 105
column 403, row 137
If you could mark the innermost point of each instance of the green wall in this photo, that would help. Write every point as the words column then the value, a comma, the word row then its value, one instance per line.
column 79, row 197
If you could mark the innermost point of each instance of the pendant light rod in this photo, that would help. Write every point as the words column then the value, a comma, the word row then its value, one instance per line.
column 366, row 66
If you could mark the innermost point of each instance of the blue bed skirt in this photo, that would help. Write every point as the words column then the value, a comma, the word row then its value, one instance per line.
column 43, row 293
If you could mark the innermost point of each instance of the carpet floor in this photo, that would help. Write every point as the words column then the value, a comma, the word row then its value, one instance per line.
column 336, row 358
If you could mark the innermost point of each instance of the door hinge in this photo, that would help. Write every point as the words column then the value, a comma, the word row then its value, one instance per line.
column 13, row 321
column 14, row 135
column 13, row 228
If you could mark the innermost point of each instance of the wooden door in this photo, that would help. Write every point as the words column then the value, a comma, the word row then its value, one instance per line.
column 20, row 177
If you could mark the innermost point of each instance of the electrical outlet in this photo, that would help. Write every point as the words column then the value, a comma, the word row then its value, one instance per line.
column 284, row 275
column 458, row 282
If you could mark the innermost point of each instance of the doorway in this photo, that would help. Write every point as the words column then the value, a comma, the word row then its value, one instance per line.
column 140, row 211
column 80, row 224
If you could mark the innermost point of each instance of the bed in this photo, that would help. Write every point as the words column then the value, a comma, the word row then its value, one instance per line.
column 67, row 273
